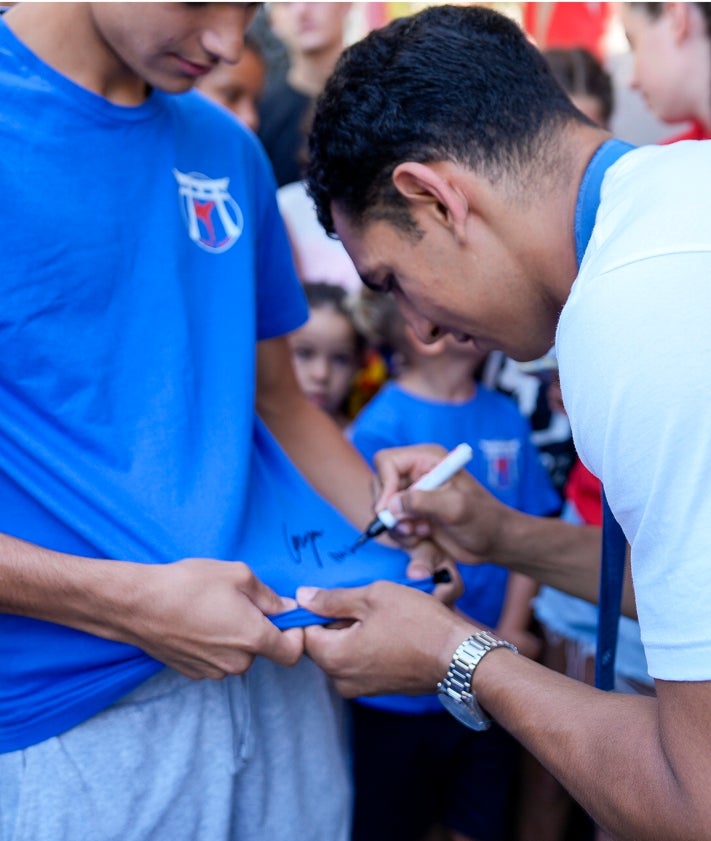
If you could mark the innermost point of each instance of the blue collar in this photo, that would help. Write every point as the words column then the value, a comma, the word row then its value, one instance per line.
column 589, row 194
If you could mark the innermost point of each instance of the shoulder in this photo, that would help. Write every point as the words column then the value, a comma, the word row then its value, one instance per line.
column 214, row 134
column 205, row 115
column 654, row 201
column 673, row 162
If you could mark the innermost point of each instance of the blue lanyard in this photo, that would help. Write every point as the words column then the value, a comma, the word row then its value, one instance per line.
column 614, row 543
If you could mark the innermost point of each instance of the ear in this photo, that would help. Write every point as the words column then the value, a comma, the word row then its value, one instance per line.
column 434, row 188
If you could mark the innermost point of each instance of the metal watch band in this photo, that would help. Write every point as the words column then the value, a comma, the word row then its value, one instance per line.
column 457, row 683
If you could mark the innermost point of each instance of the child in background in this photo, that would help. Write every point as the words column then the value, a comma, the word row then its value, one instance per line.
column 238, row 87
column 415, row 766
column 671, row 45
column 328, row 351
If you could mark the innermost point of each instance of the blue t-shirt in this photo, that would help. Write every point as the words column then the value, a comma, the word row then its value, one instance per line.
column 143, row 258
column 505, row 462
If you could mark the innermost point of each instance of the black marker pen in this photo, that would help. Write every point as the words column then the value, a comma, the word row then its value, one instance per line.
column 452, row 463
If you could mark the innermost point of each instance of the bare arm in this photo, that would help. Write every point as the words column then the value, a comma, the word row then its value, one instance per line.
column 639, row 765
column 469, row 524
column 313, row 442
column 556, row 553
column 515, row 620
column 204, row 618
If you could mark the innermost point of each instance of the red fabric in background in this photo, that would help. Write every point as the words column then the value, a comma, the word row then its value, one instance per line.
column 568, row 25
column 695, row 132
column 585, row 492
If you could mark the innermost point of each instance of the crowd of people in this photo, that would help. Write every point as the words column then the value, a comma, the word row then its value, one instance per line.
column 246, row 308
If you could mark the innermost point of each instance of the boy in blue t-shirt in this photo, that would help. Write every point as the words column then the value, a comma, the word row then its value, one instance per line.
column 408, row 751
column 148, row 287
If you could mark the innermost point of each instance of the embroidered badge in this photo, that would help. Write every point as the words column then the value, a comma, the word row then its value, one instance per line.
column 213, row 217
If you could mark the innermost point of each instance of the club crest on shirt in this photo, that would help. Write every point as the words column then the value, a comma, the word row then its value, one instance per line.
column 502, row 462
column 213, row 217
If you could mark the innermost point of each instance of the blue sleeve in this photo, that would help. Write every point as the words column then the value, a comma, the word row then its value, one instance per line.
column 281, row 303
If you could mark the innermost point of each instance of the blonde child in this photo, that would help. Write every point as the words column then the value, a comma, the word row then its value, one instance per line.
column 328, row 351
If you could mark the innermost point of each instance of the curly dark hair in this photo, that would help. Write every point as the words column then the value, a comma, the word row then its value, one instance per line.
column 460, row 83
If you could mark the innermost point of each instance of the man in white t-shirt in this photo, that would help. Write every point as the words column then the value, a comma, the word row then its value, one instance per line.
column 462, row 181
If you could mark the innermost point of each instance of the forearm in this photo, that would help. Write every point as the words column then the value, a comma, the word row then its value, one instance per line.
column 203, row 617
column 311, row 439
column 639, row 765
column 83, row 593
column 605, row 748
column 558, row 554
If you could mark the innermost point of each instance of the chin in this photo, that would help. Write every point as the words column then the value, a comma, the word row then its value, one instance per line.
column 171, row 84
column 319, row 402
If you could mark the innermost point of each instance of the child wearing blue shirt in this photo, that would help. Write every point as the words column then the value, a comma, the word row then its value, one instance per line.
column 408, row 752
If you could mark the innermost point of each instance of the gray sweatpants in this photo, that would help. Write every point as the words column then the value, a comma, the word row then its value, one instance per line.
column 260, row 757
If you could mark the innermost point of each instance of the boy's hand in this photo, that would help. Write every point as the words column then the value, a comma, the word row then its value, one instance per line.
column 206, row 618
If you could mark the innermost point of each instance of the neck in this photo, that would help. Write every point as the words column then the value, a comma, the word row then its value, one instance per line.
column 443, row 379
column 63, row 35
column 556, row 264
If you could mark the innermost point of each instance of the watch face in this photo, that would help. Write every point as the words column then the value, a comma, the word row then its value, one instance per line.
column 471, row 716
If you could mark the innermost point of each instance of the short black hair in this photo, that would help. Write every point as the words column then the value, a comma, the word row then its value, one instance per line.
column 460, row 83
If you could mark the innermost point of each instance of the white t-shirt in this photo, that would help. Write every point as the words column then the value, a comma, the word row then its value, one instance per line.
column 634, row 350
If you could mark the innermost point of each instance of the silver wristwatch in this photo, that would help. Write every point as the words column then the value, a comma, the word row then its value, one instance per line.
column 455, row 690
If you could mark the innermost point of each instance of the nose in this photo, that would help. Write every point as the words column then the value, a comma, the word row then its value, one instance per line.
column 299, row 10
column 223, row 35
column 425, row 330
column 319, row 369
